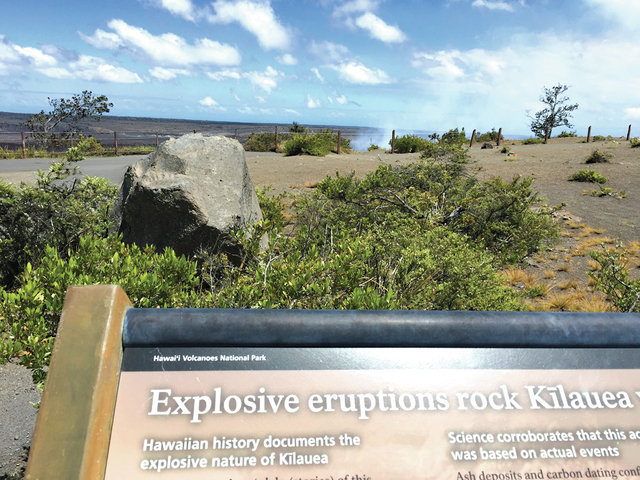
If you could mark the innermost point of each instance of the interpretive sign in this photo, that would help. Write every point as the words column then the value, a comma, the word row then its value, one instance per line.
column 376, row 413
column 223, row 394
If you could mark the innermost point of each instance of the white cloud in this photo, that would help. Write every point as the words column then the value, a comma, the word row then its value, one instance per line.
column 632, row 113
column 379, row 29
column 102, row 40
column 494, row 5
column 261, row 99
column 625, row 13
column 486, row 87
column 166, row 74
column 257, row 17
column 15, row 59
column 287, row 59
column 317, row 72
column 211, row 104
column 167, row 49
column 267, row 80
column 355, row 6
column 179, row 8
column 328, row 52
column 291, row 112
column 342, row 100
column 443, row 64
column 355, row 72
column 311, row 103
column 330, row 100
column 247, row 111
column 223, row 75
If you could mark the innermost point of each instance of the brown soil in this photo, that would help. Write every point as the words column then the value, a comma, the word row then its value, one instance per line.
column 588, row 222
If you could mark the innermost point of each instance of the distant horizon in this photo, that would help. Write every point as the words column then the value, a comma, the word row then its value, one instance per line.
column 409, row 66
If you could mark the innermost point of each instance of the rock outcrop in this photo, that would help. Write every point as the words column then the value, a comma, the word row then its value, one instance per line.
column 188, row 194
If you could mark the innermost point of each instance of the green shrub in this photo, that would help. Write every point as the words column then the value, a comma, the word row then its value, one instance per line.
column 264, row 142
column 453, row 137
column 598, row 157
column 491, row 136
column 505, row 150
column 49, row 213
column 373, row 147
column 410, row 144
column 588, row 176
column 634, row 142
column 532, row 141
column 613, row 279
column 565, row 134
column 31, row 314
column 598, row 138
column 318, row 144
column 606, row 191
column 496, row 214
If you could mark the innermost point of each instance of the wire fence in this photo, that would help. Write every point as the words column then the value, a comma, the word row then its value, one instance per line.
column 25, row 144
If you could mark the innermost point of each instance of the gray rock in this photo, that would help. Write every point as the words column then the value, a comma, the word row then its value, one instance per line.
column 486, row 145
column 188, row 194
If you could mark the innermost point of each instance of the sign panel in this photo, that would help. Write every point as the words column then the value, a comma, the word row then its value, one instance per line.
column 374, row 414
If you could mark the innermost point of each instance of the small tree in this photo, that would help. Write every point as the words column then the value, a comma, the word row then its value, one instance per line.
column 555, row 114
column 65, row 115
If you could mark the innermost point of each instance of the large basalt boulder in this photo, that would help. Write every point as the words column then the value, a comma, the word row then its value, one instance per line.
column 190, row 193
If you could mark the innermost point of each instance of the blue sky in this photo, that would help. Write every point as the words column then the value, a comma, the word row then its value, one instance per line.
column 408, row 65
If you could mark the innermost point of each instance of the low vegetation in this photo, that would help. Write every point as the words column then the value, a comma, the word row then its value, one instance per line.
column 532, row 141
column 421, row 236
column 588, row 176
column 598, row 157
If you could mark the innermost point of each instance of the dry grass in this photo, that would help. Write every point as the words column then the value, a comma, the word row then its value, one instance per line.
column 549, row 275
column 594, row 265
column 633, row 247
column 593, row 303
column 567, row 258
column 573, row 225
column 561, row 302
column 571, row 284
column 564, row 268
column 518, row 277
column 589, row 244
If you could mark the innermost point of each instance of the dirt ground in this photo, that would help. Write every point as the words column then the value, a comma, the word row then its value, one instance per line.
column 589, row 222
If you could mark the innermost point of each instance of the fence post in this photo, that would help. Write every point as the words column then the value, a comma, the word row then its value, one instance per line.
column 338, row 142
column 235, row 135
column 473, row 137
column 115, row 141
column 629, row 133
column 276, row 146
column 499, row 135
column 24, row 147
column 156, row 139
column 393, row 141
column 589, row 135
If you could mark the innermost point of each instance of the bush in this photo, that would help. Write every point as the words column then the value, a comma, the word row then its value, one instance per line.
column 373, row 147
column 51, row 213
column 495, row 214
column 532, row 141
column 32, row 313
column 634, row 142
column 264, row 142
column 565, row 134
column 598, row 138
column 505, row 150
column 491, row 136
column 598, row 157
column 613, row 279
column 588, row 176
column 318, row 144
column 410, row 144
